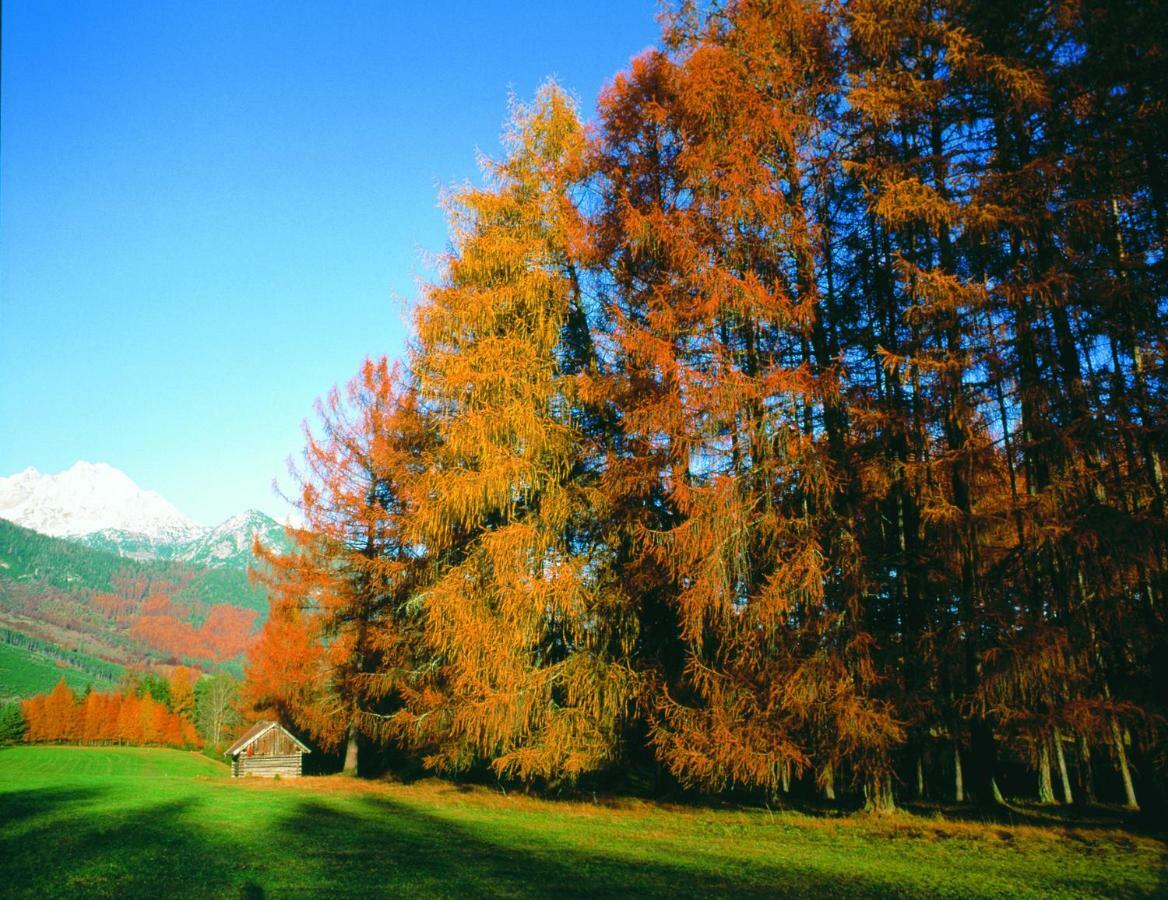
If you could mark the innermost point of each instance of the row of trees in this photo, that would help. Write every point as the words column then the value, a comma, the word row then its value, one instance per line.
column 181, row 710
column 113, row 717
column 799, row 425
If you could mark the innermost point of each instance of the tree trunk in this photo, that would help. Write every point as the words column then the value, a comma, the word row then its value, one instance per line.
column 1086, row 776
column 1045, row 788
column 958, row 778
column 878, row 795
column 921, row 775
column 785, row 775
column 1129, row 790
column 1060, row 757
column 827, row 782
column 984, row 762
column 351, row 753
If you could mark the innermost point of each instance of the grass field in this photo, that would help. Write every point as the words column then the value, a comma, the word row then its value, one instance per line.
column 135, row 822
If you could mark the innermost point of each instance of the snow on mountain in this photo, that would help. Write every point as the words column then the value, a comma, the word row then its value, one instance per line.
column 229, row 543
column 97, row 505
column 89, row 497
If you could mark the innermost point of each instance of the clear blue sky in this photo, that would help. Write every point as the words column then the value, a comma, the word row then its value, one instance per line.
column 211, row 212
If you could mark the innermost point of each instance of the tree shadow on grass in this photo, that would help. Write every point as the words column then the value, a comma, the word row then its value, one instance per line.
column 79, row 842
column 377, row 846
column 391, row 849
column 1065, row 818
column 64, row 843
column 17, row 806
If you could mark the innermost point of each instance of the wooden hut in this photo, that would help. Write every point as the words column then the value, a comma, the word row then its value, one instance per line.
column 267, row 749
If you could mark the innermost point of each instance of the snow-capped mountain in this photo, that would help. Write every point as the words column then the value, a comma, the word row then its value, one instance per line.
column 225, row 545
column 89, row 497
column 99, row 506
column 229, row 543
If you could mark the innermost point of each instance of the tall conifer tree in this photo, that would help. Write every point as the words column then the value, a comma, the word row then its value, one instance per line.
column 525, row 616
column 338, row 651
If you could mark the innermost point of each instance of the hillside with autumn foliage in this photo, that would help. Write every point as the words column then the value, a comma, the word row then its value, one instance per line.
column 60, row 594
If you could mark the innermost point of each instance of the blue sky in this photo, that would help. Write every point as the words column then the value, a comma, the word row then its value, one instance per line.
column 211, row 212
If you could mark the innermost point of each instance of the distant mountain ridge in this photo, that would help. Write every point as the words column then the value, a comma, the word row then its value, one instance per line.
column 101, row 507
column 228, row 544
column 96, row 572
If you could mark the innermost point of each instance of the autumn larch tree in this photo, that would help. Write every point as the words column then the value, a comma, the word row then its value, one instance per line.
column 524, row 615
column 728, row 398
column 801, row 427
column 339, row 641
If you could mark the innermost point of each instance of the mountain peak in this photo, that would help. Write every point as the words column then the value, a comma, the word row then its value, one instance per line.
column 85, row 498
column 84, row 467
column 248, row 515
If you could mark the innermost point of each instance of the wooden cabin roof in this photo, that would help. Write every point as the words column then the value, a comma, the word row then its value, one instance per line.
column 257, row 731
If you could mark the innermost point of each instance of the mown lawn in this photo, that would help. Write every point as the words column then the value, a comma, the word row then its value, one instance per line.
column 132, row 822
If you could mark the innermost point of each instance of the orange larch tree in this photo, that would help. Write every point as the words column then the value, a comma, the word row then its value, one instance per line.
column 182, row 693
column 340, row 643
column 729, row 398
column 807, row 418
column 524, row 614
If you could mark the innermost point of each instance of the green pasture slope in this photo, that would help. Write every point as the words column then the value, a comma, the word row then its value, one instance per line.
column 25, row 673
column 78, row 821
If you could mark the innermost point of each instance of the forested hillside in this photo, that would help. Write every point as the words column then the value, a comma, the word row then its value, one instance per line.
column 68, row 602
column 799, row 426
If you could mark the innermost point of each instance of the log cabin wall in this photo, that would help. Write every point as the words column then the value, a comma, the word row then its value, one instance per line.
column 286, row 766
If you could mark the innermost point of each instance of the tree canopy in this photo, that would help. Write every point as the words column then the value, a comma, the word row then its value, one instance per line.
column 797, row 425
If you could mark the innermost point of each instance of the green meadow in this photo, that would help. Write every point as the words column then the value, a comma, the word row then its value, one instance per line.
column 133, row 822
column 25, row 672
